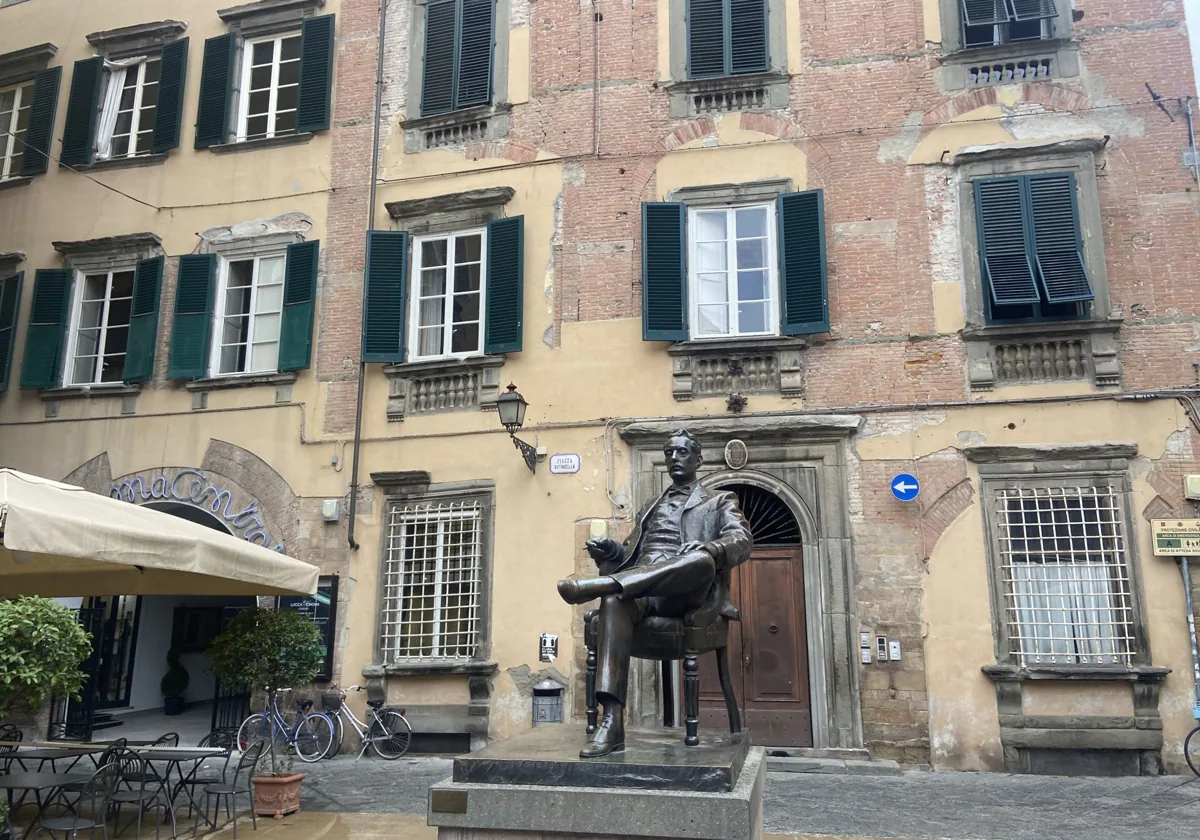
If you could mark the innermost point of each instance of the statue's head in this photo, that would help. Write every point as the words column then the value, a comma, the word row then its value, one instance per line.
column 683, row 456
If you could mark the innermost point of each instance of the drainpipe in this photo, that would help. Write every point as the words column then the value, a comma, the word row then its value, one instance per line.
column 1191, row 620
column 1194, row 165
column 362, row 366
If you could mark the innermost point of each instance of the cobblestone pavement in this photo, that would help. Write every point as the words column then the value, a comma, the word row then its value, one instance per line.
column 913, row 806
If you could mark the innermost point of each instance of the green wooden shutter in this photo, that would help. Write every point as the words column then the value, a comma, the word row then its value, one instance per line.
column 1058, row 247
column 747, row 36
column 1033, row 9
column 984, row 12
column 505, row 286
column 299, row 299
column 706, row 38
column 474, row 76
column 192, row 322
column 664, row 271
column 10, row 306
column 171, row 85
column 216, row 91
column 1003, row 253
column 41, row 122
column 316, row 73
column 803, row 285
column 83, row 106
column 47, row 322
column 437, row 79
column 143, row 321
column 386, row 287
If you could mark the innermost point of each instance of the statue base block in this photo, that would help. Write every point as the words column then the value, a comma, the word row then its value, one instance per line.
column 536, row 786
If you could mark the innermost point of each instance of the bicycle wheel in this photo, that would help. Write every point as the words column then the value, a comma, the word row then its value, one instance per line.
column 1191, row 750
column 390, row 735
column 257, row 727
column 339, row 732
column 312, row 737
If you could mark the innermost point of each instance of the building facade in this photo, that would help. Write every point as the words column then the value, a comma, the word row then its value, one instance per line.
column 920, row 276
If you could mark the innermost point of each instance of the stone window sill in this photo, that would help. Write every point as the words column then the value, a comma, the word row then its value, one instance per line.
column 73, row 392
column 13, row 183
column 1077, row 673
column 443, row 385
column 1030, row 354
column 249, row 380
column 1015, row 49
column 432, row 668
column 125, row 163
column 457, row 128
column 756, row 92
column 721, row 367
column 235, row 147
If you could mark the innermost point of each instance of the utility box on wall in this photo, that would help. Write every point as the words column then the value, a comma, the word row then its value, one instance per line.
column 547, row 703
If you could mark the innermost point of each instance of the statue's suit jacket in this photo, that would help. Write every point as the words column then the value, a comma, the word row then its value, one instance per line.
column 710, row 517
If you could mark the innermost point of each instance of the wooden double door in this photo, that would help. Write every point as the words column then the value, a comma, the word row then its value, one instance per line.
column 768, row 653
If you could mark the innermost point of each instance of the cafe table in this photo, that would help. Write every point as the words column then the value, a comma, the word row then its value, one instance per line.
column 41, row 785
column 172, row 759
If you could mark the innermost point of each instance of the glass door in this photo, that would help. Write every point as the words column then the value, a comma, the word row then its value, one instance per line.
column 117, row 645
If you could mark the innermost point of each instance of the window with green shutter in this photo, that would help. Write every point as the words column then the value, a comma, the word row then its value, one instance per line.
column 192, row 319
column 987, row 23
column 83, row 107
column 41, row 361
column 726, row 37
column 143, row 321
column 40, row 133
column 299, row 302
column 1031, row 249
column 10, row 307
column 216, row 91
column 719, row 271
column 505, row 281
column 459, row 48
column 316, row 74
column 385, row 295
column 171, row 89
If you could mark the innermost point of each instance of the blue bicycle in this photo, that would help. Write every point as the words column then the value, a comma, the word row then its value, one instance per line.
column 311, row 735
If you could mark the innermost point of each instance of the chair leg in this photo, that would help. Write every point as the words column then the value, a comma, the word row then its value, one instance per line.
column 591, row 690
column 233, row 803
column 735, row 716
column 691, row 697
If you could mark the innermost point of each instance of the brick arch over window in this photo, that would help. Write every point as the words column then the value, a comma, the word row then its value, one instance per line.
column 703, row 127
column 1054, row 97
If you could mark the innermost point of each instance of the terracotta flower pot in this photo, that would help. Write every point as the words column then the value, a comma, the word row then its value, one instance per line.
column 277, row 796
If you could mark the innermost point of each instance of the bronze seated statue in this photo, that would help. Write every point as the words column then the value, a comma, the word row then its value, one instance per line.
column 664, row 594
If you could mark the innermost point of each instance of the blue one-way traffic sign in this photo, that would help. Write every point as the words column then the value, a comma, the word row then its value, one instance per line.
column 905, row 487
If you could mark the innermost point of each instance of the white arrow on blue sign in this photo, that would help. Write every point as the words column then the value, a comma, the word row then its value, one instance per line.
column 905, row 487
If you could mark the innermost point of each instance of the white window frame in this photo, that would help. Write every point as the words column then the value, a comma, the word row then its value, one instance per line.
column 731, row 272
column 244, row 86
column 79, row 281
column 215, row 344
column 135, row 121
column 8, row 140
column 414, row 309
column 393, row 582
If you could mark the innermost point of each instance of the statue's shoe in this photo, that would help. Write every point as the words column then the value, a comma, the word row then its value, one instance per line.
column 609, row 738
column 588, row 589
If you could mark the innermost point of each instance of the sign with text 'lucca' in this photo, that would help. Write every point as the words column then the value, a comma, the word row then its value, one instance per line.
column 1176, row 537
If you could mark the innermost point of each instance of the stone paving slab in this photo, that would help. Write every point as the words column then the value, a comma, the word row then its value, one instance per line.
column 913, row 806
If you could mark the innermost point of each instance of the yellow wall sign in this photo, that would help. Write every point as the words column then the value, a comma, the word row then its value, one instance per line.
column 1176, row 537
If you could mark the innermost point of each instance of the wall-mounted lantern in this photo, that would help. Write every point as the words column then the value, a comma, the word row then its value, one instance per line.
column 511, row 406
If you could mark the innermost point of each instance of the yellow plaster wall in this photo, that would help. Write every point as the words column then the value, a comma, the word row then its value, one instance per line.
column 518, row 64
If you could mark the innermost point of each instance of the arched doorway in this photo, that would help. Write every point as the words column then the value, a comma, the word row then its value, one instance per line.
column 768, row 648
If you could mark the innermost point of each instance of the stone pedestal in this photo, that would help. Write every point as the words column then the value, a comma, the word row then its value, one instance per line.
column 536, row 787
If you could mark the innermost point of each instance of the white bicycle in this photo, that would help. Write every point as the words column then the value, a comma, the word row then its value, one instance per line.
column 388, row 733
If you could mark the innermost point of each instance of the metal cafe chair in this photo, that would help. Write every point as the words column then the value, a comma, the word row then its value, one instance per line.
column 142, row 788
column 10, row 735
column 91, row 811
column 231, row 788
column 199, row 776
column 171, row 739
column 104, row 760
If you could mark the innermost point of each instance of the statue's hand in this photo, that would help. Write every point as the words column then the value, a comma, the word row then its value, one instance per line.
column 603, row 549
column 688, row 548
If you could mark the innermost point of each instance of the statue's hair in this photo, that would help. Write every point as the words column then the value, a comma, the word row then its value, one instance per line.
column 684, row 433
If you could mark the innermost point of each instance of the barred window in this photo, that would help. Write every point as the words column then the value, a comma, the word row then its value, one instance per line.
column 432, row 573
column 1063, row 556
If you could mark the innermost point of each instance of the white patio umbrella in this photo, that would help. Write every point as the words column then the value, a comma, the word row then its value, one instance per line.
column 58, row 540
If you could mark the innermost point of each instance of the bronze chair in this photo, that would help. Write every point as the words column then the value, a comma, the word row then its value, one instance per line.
column 702, row 630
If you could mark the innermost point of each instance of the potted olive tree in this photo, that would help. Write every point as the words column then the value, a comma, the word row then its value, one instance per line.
column 269, row 649
column 173, row 684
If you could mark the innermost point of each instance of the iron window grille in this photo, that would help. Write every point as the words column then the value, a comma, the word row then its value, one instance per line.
column 432, row 581
column 1063, row 558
